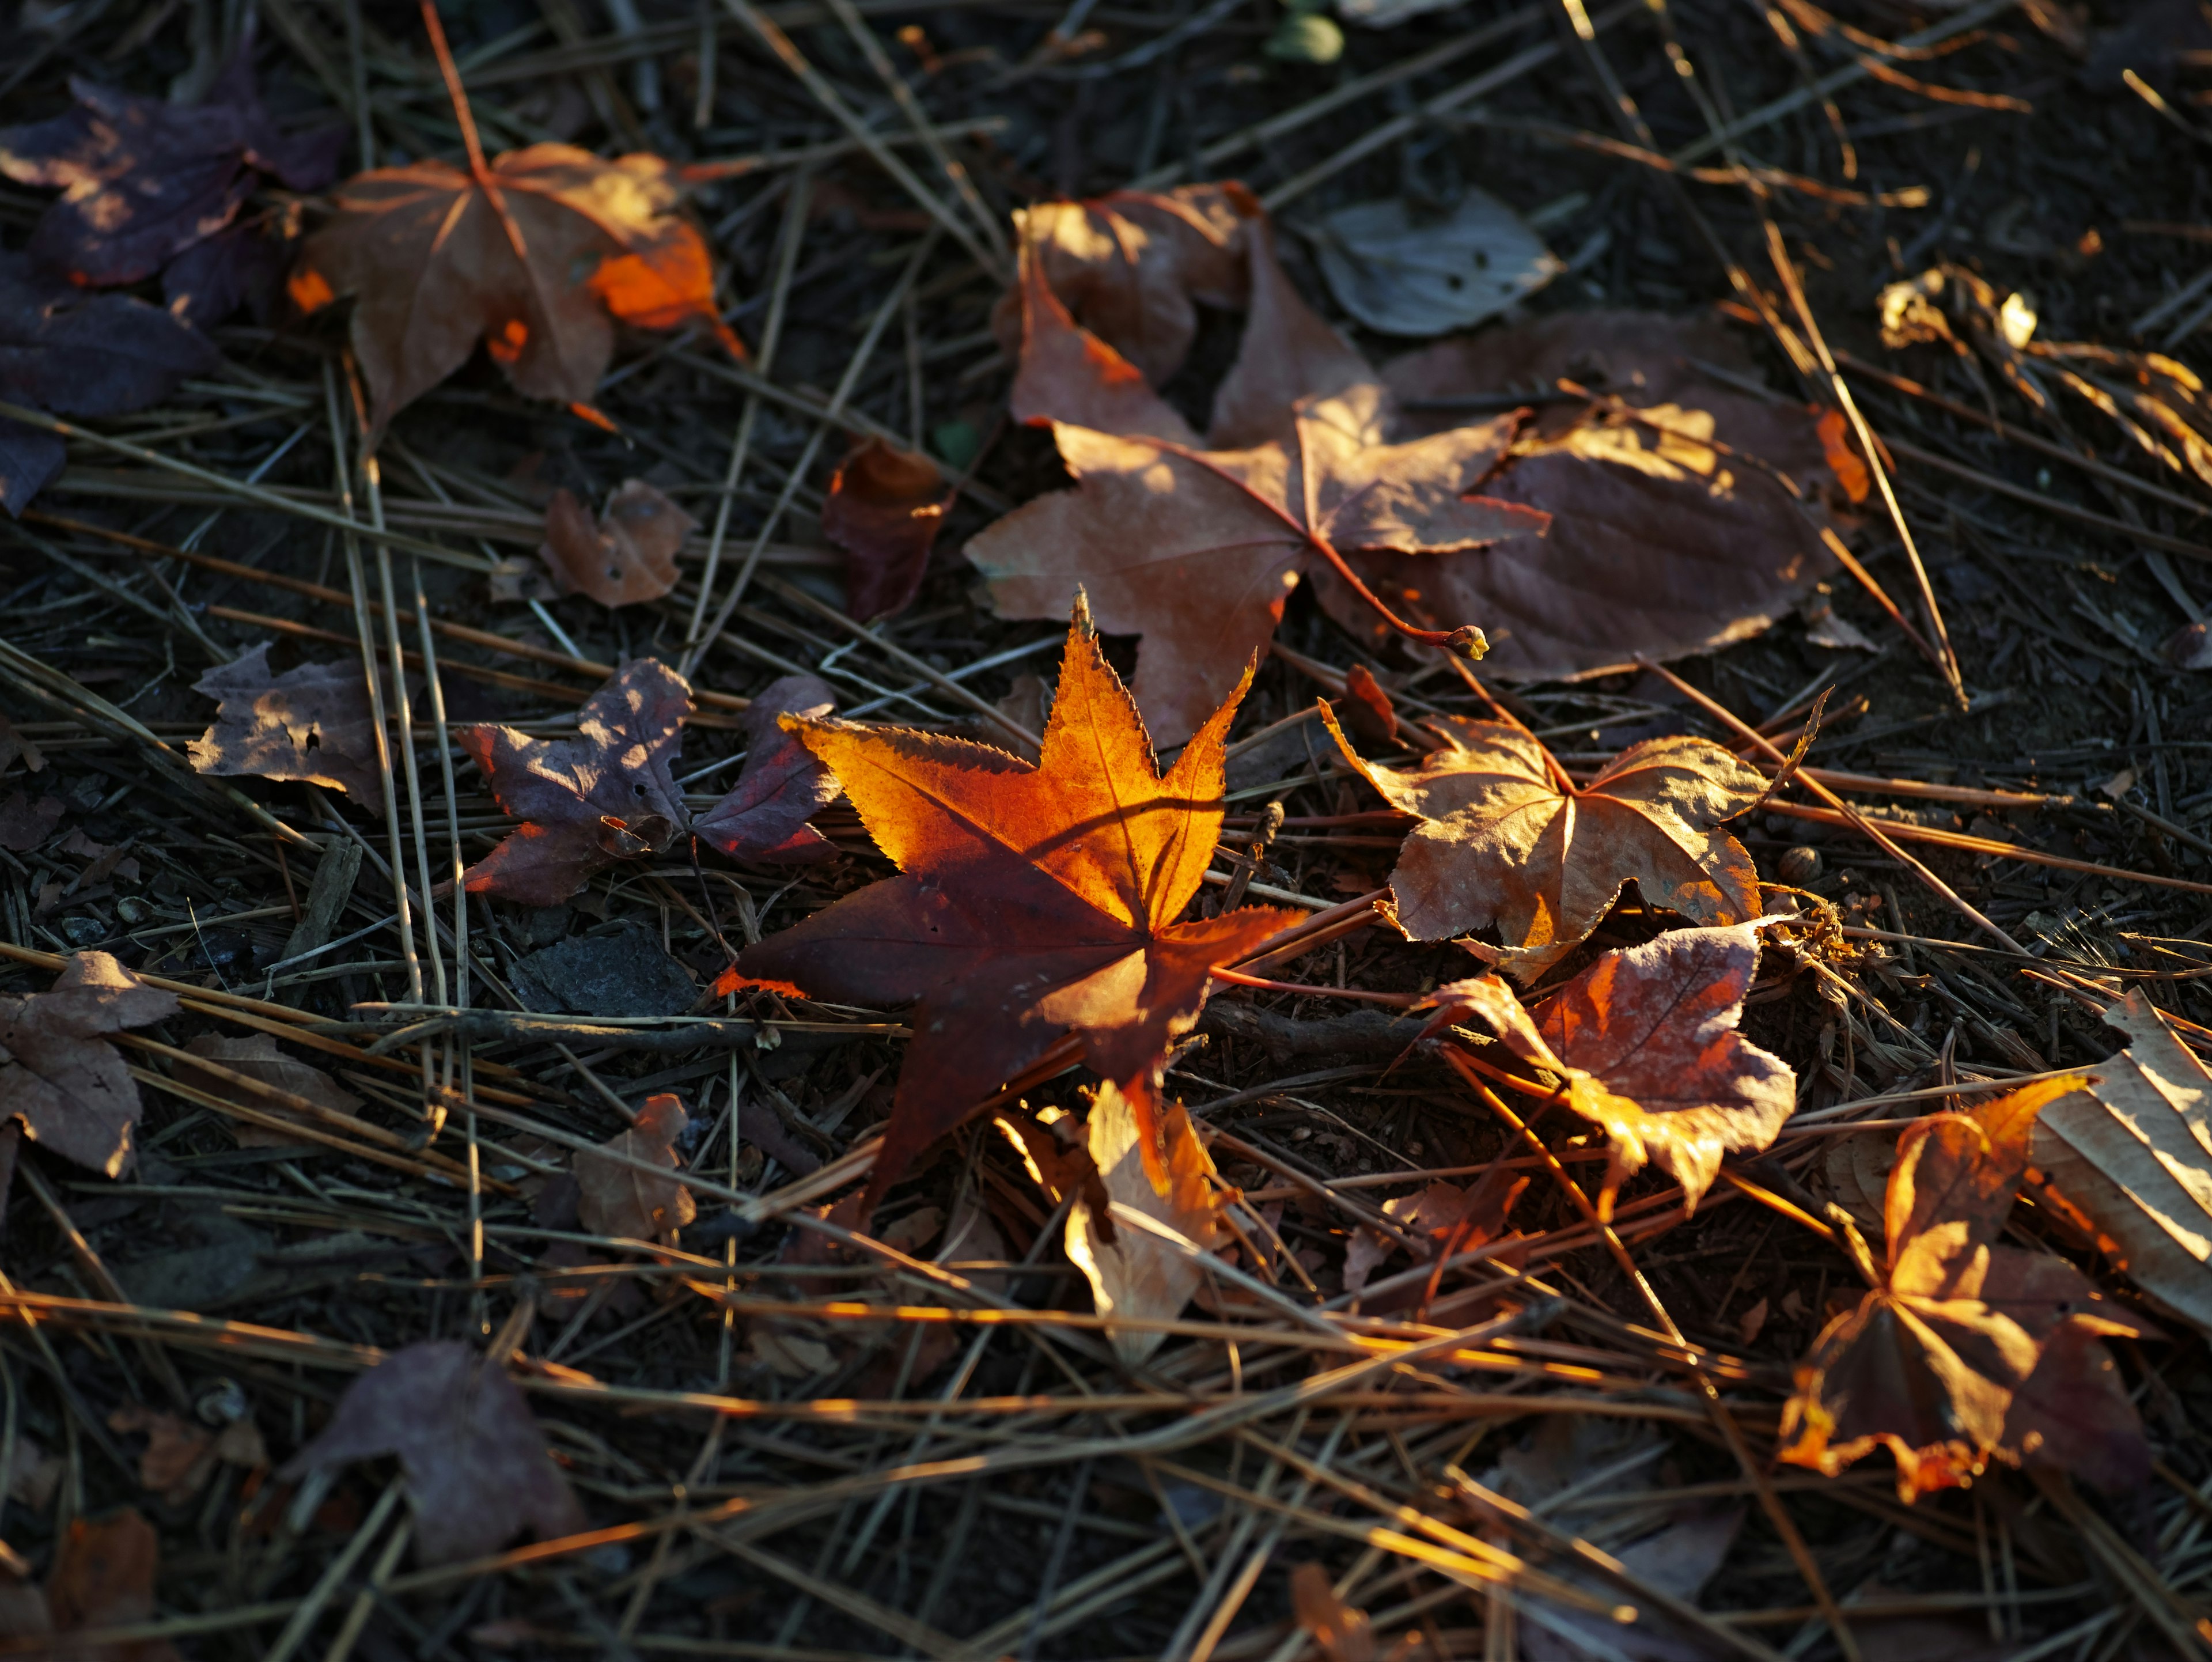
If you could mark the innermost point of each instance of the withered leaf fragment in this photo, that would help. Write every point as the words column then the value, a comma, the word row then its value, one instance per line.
column 24, row 824
column 256, row 1057
column 617, row 1199
column 782, row 787
column 477, row 1472
column 537, row 253
column 103, row 1577
column 1504, row 841
column 58, row 1073
column 1967, row 1350
column 1031, row 902
column 143, row 180
column 885, row 508
column 629, row 557
column 1196, row 545
column 1645, row 1040
column 586, row 802
column 312, row 723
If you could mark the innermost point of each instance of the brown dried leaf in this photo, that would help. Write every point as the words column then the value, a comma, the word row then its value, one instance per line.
column 312, row 723
column 68, row 1085
column 256, row 1055
column 586, row 802
column 24, row 824
column 1443, row 1217
column 619, row 1199
column 1502, row 842
column 477, row 1467
column 1659, row 545
column 1133, row 1272
column 1342, row 1633
column 628, row 557
column 1646, row 1041
column 103, row 1577
column 1129, row 265
column 538, row 259
column 781, row 786
column 1970, row 1350
column 885, row 508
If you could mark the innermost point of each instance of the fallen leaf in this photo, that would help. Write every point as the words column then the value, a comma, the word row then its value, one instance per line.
column 71, row 1087
column 1133, row 1273
column 143, row 181
column 537, row 253
column 180, row 1457
column 1031, row 903
column 1751, row 1322
column 885, row 508
column 475, row 1459
column 76, row 354
column 1443, row 1216
column 1405, row 276
column 14, row 742
column 103, row 1577
column 2133, row 1154
column 1503, row 842
column 1367, row 706
column 1129, row 267
column 586, row 802
column 628, row 557
column 782, row 787
column 1341, row 1633
column 1967, row 1349
column 312, row 723
column 1679, row 1559
column 1197, row 548
column 618, row 1200
column 24, row 825
column 1645, row 1039
column 256, row 1055
column 1659, row 545
column 241, row 265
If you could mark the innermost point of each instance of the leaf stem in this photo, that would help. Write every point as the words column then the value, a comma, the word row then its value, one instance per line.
column 461, row 113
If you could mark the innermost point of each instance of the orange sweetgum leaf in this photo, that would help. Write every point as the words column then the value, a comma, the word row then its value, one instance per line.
column 1645, row 1040
column 537, row 253
column 1031, row 902
column 1968, row 1350
column 1504, row 840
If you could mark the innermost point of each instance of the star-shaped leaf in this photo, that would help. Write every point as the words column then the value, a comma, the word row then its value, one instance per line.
column 1031, row 902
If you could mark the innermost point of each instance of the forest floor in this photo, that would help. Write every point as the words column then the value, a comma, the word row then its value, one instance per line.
column 791, row 1469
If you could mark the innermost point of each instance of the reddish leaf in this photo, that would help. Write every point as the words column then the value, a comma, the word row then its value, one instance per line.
column 1129, row 265
column 477, row 1472
column 537, row 259
column 71, row 1087
column 144, row 181
column 103, row 1577
column 1646, row 1041
column 1031, row 902
column 1502, row 842
column 584, row 802
column 629, row 557
column 1659, row 545
column 1367, row 706
column 1197, row 549
column 1970, row 1350
column 314, row 723
column 615, row 1199
column 885, row 508
column 782, row 787
column 242, row 264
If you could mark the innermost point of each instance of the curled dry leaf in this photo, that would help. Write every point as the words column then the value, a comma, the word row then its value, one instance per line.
column 586, row 802
column 1966, row 1350
column 312, row 723
column 1659, row 543
column 1409, row 277
column 1196, row 547
column 1646, row 1042
column 1031, row 902
column 781, row 786
column 617, row 1199
column 1506, row 841
column 143, row 180
column 2132, row 1154
column 1133, row 1272
column 885, row 508
column 256, row 1055
column 477, row 1472
column 537, row 253
column 60, row 1077
column 181, row 1455
column 1443, row 1218
column 1130, row 266
column 1341, row 1633
column 629, row 557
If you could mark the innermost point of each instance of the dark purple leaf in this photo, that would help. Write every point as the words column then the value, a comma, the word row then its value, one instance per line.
column 764, row 818
column 89, row 355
